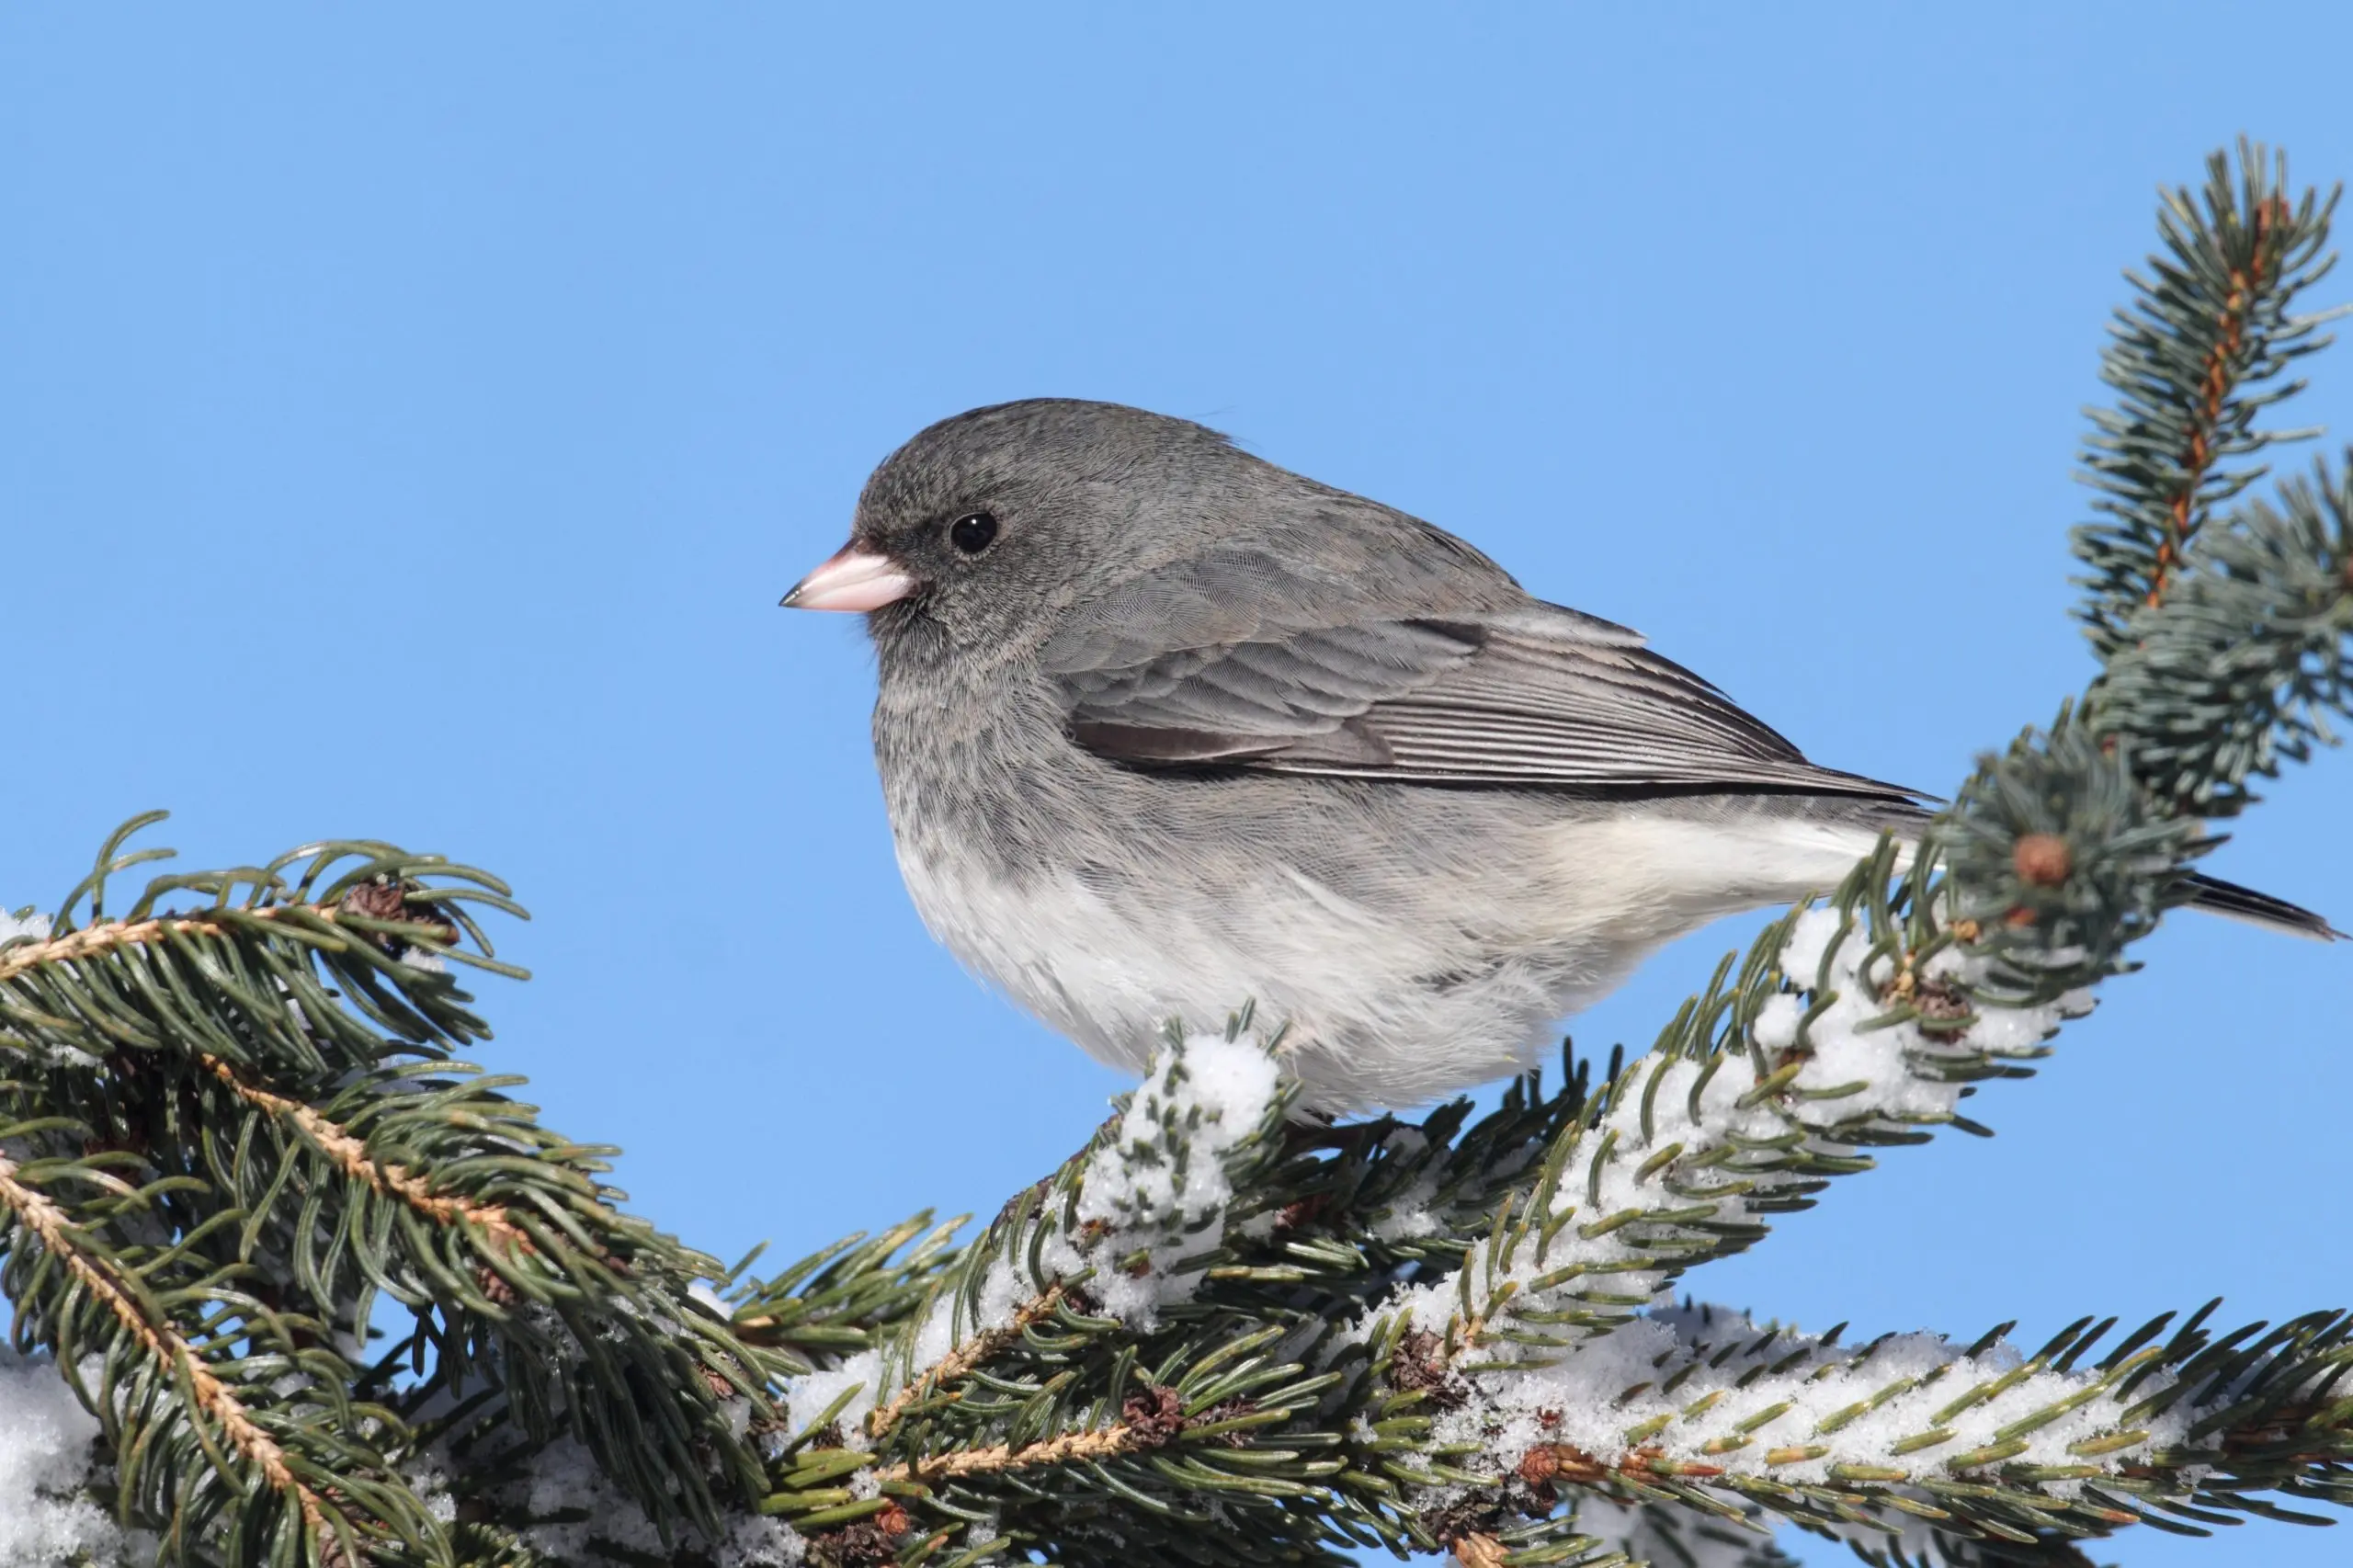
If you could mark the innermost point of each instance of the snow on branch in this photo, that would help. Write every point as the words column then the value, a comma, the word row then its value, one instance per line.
column 1702, row 1406
column 48, row 1465
column 1839, row 1036
column 1148, row 1195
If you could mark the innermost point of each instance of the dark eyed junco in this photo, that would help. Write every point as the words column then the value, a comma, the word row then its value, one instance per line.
column 1164, row 728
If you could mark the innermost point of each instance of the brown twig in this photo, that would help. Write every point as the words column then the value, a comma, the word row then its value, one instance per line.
column 110, row 934
column 2214, row 389
column 47, row 1221
column 1151, row 1418
column 350, row 1155
column 962, row 1359
column 1120, row 1439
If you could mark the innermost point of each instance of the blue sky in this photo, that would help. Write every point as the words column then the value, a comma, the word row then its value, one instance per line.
column 409, row 420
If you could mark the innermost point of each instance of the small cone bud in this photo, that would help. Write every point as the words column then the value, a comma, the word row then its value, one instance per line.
column 2042, row 859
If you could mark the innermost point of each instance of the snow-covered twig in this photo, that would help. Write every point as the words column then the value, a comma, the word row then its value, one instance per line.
column 1702, row 1405
column 1838, row 1037
column 1133, row 1211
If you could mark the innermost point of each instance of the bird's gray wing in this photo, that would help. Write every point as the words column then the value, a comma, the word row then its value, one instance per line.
column 1530, row 696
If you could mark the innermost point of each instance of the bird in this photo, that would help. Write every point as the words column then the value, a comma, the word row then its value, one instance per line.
column 1164, row 729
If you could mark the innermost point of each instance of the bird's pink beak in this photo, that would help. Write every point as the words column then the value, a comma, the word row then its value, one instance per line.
column 851, row 579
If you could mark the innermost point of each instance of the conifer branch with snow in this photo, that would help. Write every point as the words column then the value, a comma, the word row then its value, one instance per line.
column 232, row 1128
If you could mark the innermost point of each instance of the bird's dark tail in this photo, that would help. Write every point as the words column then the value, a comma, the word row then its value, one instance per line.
column 1905, row 819
column 2219, row 897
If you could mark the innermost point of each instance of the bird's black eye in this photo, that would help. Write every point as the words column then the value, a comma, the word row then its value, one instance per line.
column 972, row 532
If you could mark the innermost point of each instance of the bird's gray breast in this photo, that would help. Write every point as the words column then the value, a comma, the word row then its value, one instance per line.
column 1018, row 851
column 1384, row 922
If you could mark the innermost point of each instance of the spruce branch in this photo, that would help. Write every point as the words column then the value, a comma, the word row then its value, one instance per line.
column 2248, row 660
column 2193, row 361
column 839, row 1300
column 387, row 1178
column 274, row 1068
column 211, row 1400
column 1851, row 1027
column 1701, row 1408
column 2061, row 860
column 966, row 1358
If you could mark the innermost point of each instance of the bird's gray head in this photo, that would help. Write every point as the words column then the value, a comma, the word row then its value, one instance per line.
column 985, row 529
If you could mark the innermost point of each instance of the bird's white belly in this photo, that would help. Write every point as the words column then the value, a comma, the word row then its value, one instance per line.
column 1385, row 1006
column 1056, row 950
column 1368, row 1025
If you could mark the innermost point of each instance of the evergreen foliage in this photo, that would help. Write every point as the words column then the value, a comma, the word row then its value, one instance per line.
column 235, row 1131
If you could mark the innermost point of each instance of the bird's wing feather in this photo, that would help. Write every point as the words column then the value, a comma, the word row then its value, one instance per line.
column 1532, row 696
